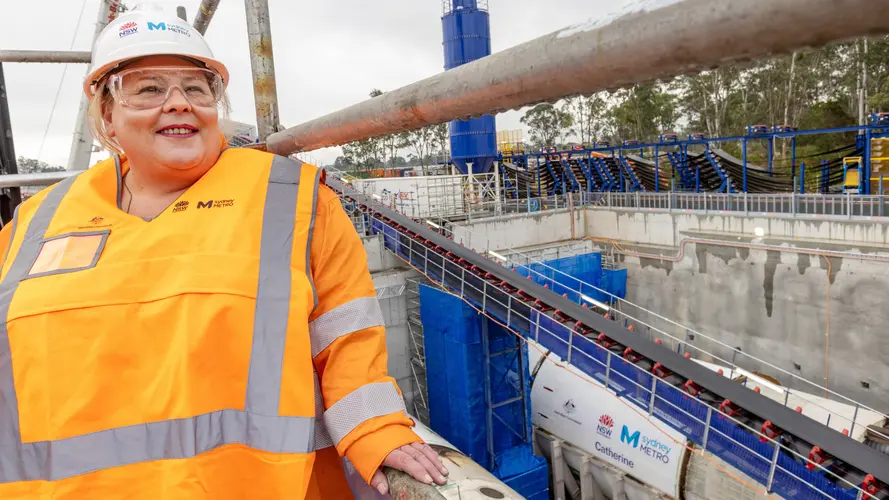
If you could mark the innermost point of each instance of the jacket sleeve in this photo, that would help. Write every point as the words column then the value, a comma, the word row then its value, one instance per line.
column 364, row 409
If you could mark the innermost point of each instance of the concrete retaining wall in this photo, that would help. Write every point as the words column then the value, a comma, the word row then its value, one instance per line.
column 770, row 304
column 523, row 230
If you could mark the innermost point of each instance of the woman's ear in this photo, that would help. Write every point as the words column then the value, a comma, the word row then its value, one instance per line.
column 106, row 117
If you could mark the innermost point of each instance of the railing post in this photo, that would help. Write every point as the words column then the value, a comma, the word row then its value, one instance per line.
column 570, row 343
column 537, row 329
column 854, row 418
column 706, row 430
column 653, row 393
column 607, row 370
column 773, row 466
column 508, row 310
column 732, row 373
column 484, row 295
column 462, row 275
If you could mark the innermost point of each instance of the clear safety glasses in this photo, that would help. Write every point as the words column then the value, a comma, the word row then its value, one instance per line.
column 146, row 88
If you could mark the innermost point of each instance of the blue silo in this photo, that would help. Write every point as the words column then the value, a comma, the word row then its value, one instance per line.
column 467, row 37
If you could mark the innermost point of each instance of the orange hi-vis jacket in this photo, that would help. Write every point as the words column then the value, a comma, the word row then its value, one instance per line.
column 211, row 352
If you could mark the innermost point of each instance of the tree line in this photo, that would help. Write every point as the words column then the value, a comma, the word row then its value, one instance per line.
column 423, row 147
column 835, row 86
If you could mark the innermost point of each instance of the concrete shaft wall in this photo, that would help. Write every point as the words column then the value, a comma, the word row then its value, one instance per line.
column 771, row 304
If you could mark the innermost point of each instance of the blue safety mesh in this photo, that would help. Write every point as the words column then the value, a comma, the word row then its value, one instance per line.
column 451, row 336
column 564, row 276
column 457, row 378
column 527, row 474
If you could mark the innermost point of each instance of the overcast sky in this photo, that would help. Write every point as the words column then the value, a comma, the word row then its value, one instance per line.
column 328, row 55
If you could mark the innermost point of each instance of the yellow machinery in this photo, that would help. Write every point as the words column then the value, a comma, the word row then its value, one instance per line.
column 852, row 172
column 510, row 142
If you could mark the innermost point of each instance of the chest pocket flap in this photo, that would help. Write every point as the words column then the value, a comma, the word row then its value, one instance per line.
column 68, row 252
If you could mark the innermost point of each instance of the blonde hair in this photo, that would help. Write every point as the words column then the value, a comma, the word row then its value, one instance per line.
column 103, row 100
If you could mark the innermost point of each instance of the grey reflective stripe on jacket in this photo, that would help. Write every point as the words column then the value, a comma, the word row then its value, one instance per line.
column 258, row 426
column 370, row 400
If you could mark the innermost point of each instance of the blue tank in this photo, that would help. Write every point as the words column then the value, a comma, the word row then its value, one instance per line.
column 467, row 37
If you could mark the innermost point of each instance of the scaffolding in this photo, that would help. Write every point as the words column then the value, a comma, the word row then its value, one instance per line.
column 417, row 350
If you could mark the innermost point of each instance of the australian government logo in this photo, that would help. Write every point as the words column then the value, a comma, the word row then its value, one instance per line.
column 568, row 408
column 650, row 446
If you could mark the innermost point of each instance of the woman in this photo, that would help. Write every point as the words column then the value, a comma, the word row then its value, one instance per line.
column 180, row 317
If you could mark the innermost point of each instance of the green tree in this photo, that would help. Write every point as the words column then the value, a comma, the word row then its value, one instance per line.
column 589, row 115
column 547, row 124
column 644, row 112
column 32, row 166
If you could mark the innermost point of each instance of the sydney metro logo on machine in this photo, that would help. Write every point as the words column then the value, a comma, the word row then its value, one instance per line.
column 606, row 426
column 651, row 447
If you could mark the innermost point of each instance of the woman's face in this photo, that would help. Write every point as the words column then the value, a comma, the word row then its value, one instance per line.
column 181, row 132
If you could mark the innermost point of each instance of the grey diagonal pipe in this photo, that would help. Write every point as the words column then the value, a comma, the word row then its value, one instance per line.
column 45, row 56
column 205, row 15
column 652, row 39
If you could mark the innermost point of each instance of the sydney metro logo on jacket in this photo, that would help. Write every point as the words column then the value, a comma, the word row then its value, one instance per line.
column 651, row 447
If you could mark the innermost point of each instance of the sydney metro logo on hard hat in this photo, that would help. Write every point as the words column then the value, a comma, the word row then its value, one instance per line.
column 162, row 26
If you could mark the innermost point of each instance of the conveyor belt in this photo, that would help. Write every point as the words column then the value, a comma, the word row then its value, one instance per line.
column 799, row 430
column 645, row 169
column 758, row 178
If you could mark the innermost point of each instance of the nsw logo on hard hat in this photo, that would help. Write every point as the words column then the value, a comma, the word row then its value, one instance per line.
column 127, row 29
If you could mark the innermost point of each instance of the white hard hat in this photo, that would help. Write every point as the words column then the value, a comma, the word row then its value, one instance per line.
column 147, row 32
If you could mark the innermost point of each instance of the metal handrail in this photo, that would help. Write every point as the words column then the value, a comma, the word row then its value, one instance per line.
column 644, row 395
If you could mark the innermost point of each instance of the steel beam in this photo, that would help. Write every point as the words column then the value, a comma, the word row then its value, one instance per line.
column 36, row 179
column 265, row 93
column 45, row 56
column 651, row 39
column 850, row 451
column 205, row 15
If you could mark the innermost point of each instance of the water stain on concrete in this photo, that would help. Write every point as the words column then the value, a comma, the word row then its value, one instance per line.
column 725, row 254
column 701, row 253
column 803, row 263
column 657, row 264
column 773, row 258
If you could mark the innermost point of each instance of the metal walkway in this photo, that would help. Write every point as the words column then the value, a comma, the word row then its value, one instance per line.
column 789, row 453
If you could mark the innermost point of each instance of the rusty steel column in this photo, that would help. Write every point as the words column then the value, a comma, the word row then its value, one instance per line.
column 82, row 143
column 45, row 56
column 8, row 161
column 205, row 15
column 265, row 93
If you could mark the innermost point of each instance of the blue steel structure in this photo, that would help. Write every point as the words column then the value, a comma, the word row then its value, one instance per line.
column 687, row 176
column 467, row 37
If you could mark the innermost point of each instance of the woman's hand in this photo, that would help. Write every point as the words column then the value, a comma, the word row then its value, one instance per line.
column 416, row 459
